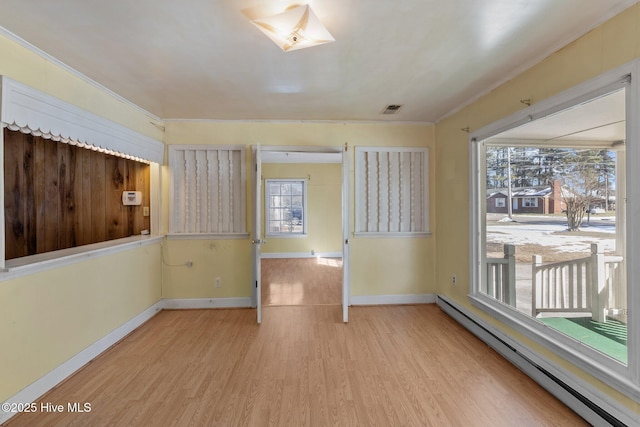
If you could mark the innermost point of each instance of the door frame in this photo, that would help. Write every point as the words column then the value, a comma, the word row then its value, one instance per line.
column 257, row 240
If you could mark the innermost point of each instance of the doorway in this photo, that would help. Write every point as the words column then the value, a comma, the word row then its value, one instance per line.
column 301, row 281
column 300, row 252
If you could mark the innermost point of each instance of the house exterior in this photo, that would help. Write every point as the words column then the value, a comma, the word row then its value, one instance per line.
column 527, row 200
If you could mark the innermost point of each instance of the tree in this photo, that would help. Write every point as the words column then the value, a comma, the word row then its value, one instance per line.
column 582, row 174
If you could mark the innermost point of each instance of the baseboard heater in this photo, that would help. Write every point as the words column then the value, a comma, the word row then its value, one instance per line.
column 583, row 406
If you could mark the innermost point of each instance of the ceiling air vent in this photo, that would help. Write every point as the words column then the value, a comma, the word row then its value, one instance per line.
column 391, row 109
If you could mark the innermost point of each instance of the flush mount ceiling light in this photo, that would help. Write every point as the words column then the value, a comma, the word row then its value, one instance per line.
column 295, row 28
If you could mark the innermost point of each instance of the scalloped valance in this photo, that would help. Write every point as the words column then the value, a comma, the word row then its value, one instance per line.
column 31, row 111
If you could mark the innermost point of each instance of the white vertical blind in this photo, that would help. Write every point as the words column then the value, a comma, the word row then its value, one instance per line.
column 208, row 189
column 392, row 190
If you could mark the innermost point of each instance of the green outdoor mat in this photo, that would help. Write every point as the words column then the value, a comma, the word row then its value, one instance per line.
column 609, row 338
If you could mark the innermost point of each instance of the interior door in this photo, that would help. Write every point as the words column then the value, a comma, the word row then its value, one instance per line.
column 256, row 240
column 346, row 288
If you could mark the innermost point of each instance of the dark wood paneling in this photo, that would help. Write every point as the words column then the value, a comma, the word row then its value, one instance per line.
column 39, row 196
column 59, row 196
column 84, row 218
column 13, row 195
column 98, row 197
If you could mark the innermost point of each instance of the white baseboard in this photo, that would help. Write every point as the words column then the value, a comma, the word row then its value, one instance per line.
column 196, row 303
column 595, row 406
column 301, row 255
column 33, row 391
column 392, row 299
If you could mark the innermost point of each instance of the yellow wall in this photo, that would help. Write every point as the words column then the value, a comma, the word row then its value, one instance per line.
column 324, row 208
column 49, row 317
column 230, row 260
column 379, row 266
column 612, row 44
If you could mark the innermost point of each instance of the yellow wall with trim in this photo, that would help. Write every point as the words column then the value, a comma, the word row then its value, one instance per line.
column 396, row 272
column 612, row 44
column 324, row 208
column 49, row 317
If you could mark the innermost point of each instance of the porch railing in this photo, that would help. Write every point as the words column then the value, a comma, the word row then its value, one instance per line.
column 501, row 276
column 591, row 284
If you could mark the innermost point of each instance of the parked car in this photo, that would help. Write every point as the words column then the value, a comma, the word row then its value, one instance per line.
column 595, row 211
column 296, row 216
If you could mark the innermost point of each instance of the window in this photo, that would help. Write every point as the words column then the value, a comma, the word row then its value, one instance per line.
column 500, row 203
column 207, row 193
column 392, row 191
column 286, row 207
column 563, row 280
column 66, row 195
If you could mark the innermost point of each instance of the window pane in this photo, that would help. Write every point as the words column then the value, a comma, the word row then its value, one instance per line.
column 296, row 201
column 286, row 209
column 274, row 188
column 559, row 253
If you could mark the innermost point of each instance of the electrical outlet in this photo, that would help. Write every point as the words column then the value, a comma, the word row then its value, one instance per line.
column 145, row 211
column 218, row 282
column 453, row 279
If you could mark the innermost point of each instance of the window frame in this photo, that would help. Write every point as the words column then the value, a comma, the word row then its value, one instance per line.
column 625, row 379
column 501, row 202
column 267, row 209
column 29, row 110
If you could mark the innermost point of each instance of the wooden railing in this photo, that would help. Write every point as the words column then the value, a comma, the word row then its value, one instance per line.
column 560, row 286
column 501, row 276
column 592, row 284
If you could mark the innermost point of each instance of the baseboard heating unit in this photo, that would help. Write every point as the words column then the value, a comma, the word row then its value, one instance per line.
column 596, row 411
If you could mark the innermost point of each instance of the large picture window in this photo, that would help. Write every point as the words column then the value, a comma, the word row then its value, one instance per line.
column 561, row 276
column 286, row 207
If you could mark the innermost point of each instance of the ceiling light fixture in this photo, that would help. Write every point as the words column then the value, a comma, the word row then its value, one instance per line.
column 295, row 28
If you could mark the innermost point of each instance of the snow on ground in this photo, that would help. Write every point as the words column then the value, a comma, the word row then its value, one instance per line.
column 544, row 234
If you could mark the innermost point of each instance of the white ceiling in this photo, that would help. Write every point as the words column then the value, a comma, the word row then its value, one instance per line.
column 196, row 59
column 599, row 122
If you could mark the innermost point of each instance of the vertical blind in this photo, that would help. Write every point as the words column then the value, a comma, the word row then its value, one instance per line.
column 208, row 189
column 391, row 190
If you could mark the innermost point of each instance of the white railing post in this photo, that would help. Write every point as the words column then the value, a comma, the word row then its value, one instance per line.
column 536, row 276
column 599, row 291
column 509, row 280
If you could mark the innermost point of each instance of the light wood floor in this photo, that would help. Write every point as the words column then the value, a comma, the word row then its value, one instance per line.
column 389, row 366
column 301, row 281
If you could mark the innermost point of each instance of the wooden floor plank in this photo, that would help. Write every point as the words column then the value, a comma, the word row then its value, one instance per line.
column 301, row 281
column 391, row 365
